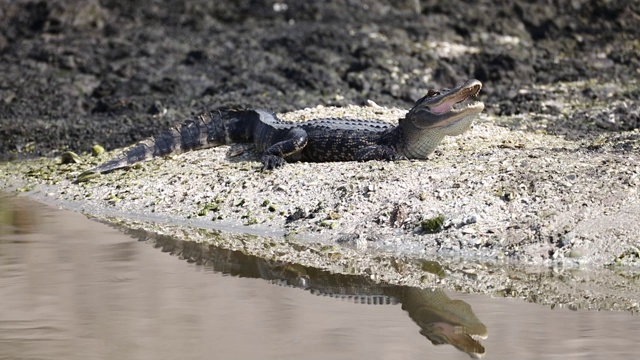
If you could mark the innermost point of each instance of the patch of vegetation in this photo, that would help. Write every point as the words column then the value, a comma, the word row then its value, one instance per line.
column 433, row 225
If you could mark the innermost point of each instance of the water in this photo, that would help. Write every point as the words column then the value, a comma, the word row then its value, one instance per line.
column 71, row 288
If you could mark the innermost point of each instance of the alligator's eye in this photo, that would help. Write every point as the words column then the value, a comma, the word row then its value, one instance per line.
column 432, row 92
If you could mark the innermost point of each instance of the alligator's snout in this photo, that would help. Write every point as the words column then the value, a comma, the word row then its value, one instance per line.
column 443, row 101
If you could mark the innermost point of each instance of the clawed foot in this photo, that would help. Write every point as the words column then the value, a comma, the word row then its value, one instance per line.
column 270, row 162
column 395, row 157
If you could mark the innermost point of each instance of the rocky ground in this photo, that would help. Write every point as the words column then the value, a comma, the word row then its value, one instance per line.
column 548, row 177
column 76, row 73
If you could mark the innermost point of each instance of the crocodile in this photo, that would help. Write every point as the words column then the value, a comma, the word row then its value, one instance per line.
column 433, row 117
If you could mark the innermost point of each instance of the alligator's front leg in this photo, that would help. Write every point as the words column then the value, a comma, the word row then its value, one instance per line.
column 274, row 156
column 378, row 152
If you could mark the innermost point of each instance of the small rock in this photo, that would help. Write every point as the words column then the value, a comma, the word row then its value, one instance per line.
column 97, row 150
column 69, row 157
column 298, row 214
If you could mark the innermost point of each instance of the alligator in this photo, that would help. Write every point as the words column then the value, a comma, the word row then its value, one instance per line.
column 433, row 117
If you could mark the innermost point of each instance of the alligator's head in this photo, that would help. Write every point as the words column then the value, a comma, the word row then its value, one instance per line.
column 437, row 114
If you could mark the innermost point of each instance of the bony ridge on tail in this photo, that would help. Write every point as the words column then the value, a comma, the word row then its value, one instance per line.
column 433, row 117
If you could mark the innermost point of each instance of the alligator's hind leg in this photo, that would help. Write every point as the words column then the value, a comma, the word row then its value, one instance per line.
column 275, row 155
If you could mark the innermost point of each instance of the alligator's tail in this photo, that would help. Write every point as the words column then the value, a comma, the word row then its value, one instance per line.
column 214, row 128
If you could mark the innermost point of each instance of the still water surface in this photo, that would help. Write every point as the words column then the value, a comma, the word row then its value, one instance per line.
column 71, row 288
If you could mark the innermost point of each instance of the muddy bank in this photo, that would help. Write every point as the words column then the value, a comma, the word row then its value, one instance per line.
column 491, row 193
column 546, row 179
column 510, row 208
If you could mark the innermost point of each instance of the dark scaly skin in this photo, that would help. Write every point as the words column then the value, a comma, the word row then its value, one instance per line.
column 323, row 140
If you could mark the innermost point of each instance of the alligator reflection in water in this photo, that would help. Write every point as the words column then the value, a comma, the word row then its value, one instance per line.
column 441, row 320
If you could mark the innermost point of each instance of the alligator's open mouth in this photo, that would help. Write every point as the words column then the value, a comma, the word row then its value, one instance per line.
column 450, row 105
column 447, row 107
column 447, row 101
